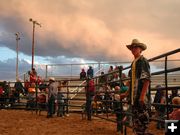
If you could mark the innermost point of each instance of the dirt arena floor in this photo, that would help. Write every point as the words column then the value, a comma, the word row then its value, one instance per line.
column 20, row 122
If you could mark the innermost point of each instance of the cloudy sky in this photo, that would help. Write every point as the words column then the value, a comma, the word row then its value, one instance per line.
column 76, row 31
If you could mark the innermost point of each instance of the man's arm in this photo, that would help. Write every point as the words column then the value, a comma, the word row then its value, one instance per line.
column 144, row 90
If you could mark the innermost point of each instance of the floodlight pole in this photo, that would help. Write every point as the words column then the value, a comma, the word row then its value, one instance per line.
column 17, row 50
column 34, row 23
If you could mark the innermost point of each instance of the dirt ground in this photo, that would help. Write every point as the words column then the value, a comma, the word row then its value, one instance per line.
column 20, row 122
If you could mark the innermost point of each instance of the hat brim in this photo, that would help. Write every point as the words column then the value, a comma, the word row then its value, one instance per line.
column 52, row 79
column 141, row 45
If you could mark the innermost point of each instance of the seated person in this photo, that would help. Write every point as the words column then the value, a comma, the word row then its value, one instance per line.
column 32, row 88
column 175, row 114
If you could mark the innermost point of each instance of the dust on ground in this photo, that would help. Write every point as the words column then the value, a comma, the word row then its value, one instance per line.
column 21, row 122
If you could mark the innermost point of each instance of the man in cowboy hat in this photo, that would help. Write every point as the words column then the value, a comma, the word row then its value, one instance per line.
column 52, row 94
column 136, row 43
column 139, row 83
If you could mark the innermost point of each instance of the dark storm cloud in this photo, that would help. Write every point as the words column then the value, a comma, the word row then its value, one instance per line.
column 89, row 29
column 9, row 66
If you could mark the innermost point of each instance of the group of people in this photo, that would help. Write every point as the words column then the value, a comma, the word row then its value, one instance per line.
column 51, row 97
column 34, row 79
column 89, row 74
column 49, row 94
column 137, row 87
column 57, row 101
column 136, row 92
column 112, row 77
column 29, row 84
column 161, row 110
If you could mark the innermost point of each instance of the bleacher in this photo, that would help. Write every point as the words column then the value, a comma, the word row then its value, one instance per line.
column 172, row 79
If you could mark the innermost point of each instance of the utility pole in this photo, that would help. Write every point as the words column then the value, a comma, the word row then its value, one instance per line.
column 17, row 50
column 34, row 23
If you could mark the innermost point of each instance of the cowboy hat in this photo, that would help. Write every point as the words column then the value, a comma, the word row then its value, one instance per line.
column 136, row 43
column 52, row 79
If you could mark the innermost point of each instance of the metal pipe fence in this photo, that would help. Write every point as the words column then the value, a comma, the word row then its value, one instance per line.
column 76, row 90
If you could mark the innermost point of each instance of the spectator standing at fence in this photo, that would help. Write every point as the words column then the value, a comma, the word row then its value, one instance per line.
column 90, row 72
column 42, row 86
column 110, row 74
column 116, row 75
column 175, row 114
column 52, row 95
column 83, row 74
column 19, row 86
column 32, row 77
column 140, row 80
column 31, row 96
column 60, row 102
column 65, row 91
column 90, row 91
column 34, row 72
column 102, row 79
column 39, row 80
column 27, row 84
column 18, row 89
column 118, row 108
column 157, row 96
column 6, row 88
column 160, row 97
column 174, row 93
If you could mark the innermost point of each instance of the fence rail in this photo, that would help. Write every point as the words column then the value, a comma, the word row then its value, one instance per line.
column 77, row 96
